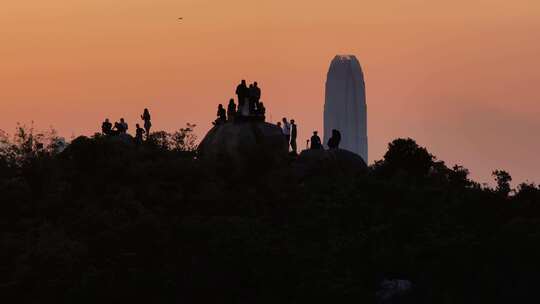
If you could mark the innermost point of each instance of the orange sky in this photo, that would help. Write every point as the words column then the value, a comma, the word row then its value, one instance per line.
column 458, row 76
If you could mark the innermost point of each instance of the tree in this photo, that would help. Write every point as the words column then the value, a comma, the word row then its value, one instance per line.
column 160, row 139
column 527, row 192
column 459, row 177
column 404, row 156
column 503, row 180
column 184, row 139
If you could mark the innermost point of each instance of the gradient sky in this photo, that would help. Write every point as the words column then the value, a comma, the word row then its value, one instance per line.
column 461, row 77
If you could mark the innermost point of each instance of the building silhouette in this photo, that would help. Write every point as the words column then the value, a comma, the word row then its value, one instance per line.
column 345, row 105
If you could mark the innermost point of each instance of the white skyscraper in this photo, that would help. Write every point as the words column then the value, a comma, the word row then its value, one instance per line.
column 345, row 105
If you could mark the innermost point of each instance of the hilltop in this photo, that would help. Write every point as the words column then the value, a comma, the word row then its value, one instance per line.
column 105, row 221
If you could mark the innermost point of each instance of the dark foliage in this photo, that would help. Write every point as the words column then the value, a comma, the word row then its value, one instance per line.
column 104, row 221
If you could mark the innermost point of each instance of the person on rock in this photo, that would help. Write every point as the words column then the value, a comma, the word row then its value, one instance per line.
column 147, row 123
column 231, row 110
column 294, row 134
column 287, row 131
column 221, row 115
column 121, row 127
column 316, row 141
column 139, row 133
column 124, row 126
column 334, row 140
column 117, row 128
column 242, row 92
column 256, row 93
column 106, row 127
column 278, row 124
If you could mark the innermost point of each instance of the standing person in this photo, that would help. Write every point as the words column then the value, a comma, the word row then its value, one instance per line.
column 231, row 110
column 257, row 93
column 147, row 123
column 106, row 127
column 294, row 134
column 315, row 141
column 139, row 132
column 242, row 92
column 124, row 125
column 279, row 126
column 287, row 131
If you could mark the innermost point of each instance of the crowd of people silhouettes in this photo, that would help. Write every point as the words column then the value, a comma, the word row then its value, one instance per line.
column 333, row 141
column 121, row 127
column 290, row 131
column 248, row 107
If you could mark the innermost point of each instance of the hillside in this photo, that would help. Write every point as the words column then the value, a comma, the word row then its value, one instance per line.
column 105, row 221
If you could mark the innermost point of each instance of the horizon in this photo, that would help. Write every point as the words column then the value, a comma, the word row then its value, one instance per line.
column 453, row 76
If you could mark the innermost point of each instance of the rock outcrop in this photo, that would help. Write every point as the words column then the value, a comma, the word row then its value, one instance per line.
column 323, row 162
column 244, row 142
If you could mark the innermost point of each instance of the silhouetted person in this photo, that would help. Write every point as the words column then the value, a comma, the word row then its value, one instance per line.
column 139, row 133
column 294, row 134
column 256, row 93
column 334, row 140
column 231, row 110
column 279, row 126
column 106, row 127
column 147, row 123
column 242, row 92
column 120, row 127
column 287, row 131
column 315, row 141
column 124, row 126
column 117, row 128
column 261, row 110
column 221, row 115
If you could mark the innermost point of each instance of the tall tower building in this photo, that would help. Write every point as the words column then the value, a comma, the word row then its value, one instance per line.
column 345, row 105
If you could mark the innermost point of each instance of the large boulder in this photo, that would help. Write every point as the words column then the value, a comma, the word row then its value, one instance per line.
column 334, row 161
column 244, row 143
column 87, row 152
column 125, row 139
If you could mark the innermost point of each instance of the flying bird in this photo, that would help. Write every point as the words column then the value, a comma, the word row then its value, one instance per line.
column 181, row 18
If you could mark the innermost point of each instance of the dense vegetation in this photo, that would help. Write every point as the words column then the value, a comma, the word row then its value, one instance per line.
column 107, row 221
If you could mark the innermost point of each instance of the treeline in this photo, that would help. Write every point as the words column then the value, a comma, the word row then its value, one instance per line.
column 107, row 221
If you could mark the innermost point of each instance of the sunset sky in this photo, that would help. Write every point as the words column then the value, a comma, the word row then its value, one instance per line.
column 461, row 77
